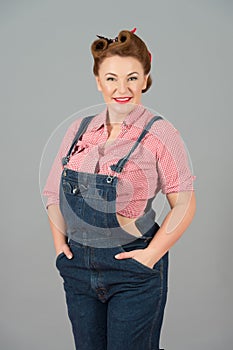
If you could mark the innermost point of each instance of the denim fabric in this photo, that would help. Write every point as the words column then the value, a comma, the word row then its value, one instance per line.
column 112, row 304
column 88, row 204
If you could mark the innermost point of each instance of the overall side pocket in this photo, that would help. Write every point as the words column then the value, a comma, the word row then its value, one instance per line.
column 140, row 244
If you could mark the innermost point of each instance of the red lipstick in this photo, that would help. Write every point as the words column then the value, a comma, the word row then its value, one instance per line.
column 122, row 99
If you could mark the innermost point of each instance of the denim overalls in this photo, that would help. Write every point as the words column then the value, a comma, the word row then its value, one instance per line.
column 112, row 304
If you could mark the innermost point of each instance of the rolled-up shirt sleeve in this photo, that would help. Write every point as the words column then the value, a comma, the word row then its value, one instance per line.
column 51, row 188
column 174, row 166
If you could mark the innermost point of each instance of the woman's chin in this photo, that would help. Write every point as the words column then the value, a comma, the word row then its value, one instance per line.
column 121, row 108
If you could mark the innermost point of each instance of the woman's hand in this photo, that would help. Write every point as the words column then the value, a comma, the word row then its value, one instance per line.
column 141, row 255
column 58, row 229
column 64, row 249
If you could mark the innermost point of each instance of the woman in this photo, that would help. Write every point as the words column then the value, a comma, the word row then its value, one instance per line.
column 111, row 254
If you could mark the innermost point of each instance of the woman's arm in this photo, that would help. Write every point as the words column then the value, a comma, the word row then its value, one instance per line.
column 183, row 206
column 58, row 228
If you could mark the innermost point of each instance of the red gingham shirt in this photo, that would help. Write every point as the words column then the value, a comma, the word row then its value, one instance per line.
column 160, row 162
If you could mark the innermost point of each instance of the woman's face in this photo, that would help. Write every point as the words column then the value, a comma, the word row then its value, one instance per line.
column 121, row 81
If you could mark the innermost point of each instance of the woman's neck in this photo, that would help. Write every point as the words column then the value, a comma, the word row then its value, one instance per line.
column 115, row 118
column 116, row 115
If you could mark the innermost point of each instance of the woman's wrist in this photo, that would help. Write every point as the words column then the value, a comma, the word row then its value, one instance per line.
column 64, row 249
column 152, row 254
column 59, row 248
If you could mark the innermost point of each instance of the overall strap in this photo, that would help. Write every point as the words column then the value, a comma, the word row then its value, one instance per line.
column 82, row 128
column 121, row 163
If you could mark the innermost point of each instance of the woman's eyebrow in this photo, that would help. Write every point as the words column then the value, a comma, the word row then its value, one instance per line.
column 115, row 75
column 133, row 73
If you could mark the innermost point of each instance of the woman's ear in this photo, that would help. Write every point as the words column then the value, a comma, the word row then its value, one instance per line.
column 145, row 81
column 98, row 83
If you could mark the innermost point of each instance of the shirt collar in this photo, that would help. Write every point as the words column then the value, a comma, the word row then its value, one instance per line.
column 100, row 119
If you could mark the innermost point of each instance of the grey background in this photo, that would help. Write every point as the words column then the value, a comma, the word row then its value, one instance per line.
column 46, row 76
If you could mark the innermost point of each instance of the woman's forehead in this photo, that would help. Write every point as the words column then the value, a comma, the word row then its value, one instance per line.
column 120, row 64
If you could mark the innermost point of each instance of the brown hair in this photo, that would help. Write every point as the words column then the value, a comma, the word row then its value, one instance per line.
column 125, row 44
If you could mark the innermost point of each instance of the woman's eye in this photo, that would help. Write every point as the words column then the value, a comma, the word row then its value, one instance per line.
column 110, row 79
column 133, row 78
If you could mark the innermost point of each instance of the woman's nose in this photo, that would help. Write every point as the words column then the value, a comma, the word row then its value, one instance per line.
column 122, row 87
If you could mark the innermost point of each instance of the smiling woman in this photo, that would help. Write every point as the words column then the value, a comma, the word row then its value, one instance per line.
column 121, row 81
column 111, row 254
